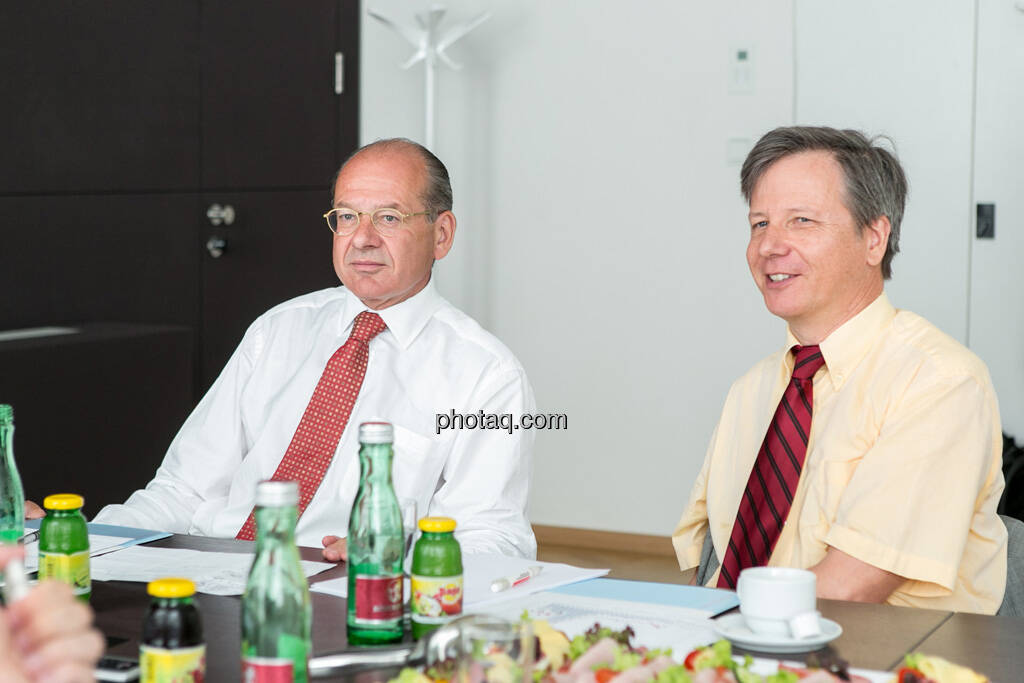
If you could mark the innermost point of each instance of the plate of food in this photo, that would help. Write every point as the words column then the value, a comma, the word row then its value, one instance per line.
column 604, row 655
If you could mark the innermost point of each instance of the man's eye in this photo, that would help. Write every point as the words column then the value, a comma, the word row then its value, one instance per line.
column 802, row 219
column 759, row 224
column 347, row 217
column 389, row 218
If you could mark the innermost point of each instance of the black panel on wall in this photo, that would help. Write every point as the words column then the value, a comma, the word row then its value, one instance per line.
column 79, row 427
column 99, row 95
column 75, row 258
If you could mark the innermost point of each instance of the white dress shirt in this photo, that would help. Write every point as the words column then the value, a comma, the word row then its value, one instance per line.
column 432, row 359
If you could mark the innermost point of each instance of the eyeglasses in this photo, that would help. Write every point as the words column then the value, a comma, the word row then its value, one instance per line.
column 344, row 221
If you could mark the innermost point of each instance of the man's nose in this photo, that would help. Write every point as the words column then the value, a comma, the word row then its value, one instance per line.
column 772, row 241
column 365, row 236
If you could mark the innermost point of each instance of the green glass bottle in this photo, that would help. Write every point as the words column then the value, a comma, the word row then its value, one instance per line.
column 277, row 618
column 64, row 543
column 376, row 542
column 436, row 576
column 12, row 495
column 172, row 647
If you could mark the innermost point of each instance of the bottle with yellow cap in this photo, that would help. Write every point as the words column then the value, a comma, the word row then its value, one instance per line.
column 64, row 543
column 436, row 578
column 172, row 647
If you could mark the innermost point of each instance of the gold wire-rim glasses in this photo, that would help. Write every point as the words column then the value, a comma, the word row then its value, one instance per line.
column 385, row 221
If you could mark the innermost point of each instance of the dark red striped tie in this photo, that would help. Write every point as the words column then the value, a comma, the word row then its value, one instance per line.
column 773, row 480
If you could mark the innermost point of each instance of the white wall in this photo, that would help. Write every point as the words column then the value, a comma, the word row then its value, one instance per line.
column 601, row 231
column 904, row 69
column 997, row 276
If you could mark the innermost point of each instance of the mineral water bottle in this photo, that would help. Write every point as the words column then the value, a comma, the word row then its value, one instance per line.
column 12, row 496
column 376, row 542
column 276, row 612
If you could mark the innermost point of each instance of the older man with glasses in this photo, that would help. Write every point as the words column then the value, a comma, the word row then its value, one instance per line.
column 385, row 346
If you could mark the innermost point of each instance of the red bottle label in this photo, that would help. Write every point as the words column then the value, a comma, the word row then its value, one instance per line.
column 378, row 598
column 266, row 670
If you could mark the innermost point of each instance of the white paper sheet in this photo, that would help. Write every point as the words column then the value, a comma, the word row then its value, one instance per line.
column 479, row 570
column 213, row 573
column 97, row 544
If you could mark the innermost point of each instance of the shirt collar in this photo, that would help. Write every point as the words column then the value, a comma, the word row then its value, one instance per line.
column 405, row 319
column 850, row 342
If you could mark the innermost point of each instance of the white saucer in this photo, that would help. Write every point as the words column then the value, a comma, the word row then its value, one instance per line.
column 734, row 628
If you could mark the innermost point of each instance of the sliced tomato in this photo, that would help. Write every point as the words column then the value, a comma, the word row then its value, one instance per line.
column 604, row 675
column 692, row 658
column 909, row 675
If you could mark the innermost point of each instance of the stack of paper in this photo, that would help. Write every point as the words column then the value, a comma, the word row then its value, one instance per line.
column 213, row 573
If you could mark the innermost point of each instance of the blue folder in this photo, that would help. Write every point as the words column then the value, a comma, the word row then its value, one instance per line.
column 670, row 594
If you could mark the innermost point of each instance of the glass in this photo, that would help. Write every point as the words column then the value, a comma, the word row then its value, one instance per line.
column 276, row 612
column 409, row 521
column 344, row 221
column 12, row 496
column 493, row 649
column 376, row 544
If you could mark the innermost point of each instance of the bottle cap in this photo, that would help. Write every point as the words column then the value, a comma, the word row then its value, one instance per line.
column 376, row 432
column 63, row 501
column 171, row 588
column 276, row 494
column 437, row 525
column 6, row 415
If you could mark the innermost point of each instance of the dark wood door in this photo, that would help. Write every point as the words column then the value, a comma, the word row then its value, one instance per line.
column 270, row 107
column 278, row 247
column 99, row 95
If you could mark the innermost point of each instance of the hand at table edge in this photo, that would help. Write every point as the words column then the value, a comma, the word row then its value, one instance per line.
column 335, row 548
column 33, row 511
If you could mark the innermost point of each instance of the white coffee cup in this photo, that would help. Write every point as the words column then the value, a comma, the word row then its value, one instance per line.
column 778, row 601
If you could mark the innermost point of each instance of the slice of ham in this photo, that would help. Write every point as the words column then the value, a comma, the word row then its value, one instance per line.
column 644, row 672
column 601, row 652
column 714, row 675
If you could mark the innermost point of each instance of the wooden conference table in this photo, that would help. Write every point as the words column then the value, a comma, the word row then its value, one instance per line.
column 874, row 636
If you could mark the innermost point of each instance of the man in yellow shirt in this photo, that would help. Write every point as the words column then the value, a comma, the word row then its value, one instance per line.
column 868, row 448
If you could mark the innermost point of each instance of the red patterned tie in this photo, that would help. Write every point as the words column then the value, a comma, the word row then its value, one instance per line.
column 776, row 473
column 317, row 436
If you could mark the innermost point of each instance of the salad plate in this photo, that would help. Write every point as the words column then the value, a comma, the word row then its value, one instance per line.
column 733, row 628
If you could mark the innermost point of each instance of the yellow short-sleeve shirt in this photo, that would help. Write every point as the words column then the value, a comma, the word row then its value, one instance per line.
column 903, row 466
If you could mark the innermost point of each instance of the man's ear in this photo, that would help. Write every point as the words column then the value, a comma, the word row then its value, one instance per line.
column 877, row 232
column 444, row 234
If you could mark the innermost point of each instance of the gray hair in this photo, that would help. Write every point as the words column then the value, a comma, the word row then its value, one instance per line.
column 875, row 184
column 437, row 188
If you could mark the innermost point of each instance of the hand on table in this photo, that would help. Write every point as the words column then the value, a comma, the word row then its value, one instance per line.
column 33, row 511
column 47, row 635
column 335, row 549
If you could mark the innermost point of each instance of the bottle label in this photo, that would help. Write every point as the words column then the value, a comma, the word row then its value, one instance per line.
column 71, row 568
column 378, row 598
column 267, row 670
column 436, row 599
column 160, row 665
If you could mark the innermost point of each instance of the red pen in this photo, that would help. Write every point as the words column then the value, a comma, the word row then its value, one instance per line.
column 506, row 582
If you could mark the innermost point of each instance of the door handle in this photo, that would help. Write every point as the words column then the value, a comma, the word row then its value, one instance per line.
column 216, row 246
column 221, row 214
